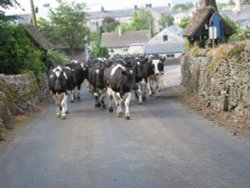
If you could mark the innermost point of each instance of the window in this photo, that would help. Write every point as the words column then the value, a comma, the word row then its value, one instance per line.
column 170, row 56
column 165, row 38
column 125, row 49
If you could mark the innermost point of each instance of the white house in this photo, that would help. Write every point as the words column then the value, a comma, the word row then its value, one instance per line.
column 125, row 43
column 168, row 42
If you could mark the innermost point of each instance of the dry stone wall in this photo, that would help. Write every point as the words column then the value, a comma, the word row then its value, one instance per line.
column 20, row 93
column 220, row 77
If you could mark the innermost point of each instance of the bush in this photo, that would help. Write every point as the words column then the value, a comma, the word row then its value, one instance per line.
column 240, row 35
column 58, row 58
column 18, row 54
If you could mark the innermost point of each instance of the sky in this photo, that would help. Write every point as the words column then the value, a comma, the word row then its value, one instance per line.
column 93, row 5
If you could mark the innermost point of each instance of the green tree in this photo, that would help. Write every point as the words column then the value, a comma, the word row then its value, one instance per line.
column 97, row 50
column 166, row 20
column 231, row 2
column 211, row 3
column 182, row 7
column 109, row 24
column 184, row 22
column 68, row 25
column 6, row 4
column 18, row 54
column 142, row 19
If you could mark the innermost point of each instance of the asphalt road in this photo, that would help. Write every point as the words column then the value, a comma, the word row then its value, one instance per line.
column 164, row 145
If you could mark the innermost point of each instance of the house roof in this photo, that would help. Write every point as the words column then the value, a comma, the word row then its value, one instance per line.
column 198, row 20
column 38, row 37
column 122, row 13
column 128, row 38
column 163, row 48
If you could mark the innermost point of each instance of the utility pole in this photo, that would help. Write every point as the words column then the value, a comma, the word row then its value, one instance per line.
column 33, row 13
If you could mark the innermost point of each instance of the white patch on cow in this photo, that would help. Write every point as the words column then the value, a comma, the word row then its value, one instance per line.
column 138, row 62
column 57, row 69
column 131, row 71
column 97, row 71
column 117, row 67
column 65, row 75
column 68, row 68
column 155, row 63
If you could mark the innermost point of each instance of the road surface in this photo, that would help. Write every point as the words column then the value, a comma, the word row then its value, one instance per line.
column 164, row 145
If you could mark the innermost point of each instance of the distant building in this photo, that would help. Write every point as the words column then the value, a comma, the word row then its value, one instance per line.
column 125, row 43
column 95, row 18
column 22, row 19
column 241, row 15
column 169, row 43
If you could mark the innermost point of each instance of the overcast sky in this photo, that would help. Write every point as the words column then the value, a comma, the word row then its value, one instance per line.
column 93, row 5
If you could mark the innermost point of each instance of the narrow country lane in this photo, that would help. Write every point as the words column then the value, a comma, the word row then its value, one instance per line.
column 164, row 145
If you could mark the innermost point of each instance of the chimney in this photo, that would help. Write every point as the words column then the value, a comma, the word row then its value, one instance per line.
column 119, row 31
column 102, row 9
column 148, row 5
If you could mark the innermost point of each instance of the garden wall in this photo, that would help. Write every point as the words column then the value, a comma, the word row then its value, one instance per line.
column 18, row 94
column 220, row 77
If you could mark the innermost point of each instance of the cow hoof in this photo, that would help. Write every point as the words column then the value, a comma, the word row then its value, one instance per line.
column 58, row 115
column 97, row 105
column 67, row 112
column 104, row 106
column 127, row 117
column 72, row 101
column 143, row 98
column 110, row 109
column 140, row 103
column 63, row 117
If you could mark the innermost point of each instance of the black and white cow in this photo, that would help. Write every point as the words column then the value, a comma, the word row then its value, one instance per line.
column 119, row 82
column 95, row 69
column 79, row 72
column 61, row 82
column 155, row 68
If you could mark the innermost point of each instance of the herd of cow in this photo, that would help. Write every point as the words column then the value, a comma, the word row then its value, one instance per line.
column 113, row 79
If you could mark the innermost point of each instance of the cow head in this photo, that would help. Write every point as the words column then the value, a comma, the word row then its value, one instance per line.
column 57, row 80
column 157, row 65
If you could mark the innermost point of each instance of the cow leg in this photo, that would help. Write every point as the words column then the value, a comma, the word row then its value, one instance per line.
column 109, row 93
column 149, row 87
column 127, row 103
column 78, row 95
column 97, row 103
column 143, row 86
column 58, row 105
column 139, row 94
column 64, row 106
column 102, row 100
column 73, row 94
column 157, row 89
column 118, row 102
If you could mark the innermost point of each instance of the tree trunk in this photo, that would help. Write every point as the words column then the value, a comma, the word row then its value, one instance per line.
column 211, row 3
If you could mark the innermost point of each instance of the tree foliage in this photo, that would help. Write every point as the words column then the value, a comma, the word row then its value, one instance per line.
column 231, row 2
column 67, row 25
column 167, row 20
column 97, row 50
column 6, row 4
column 141, row 19
column 184, row 22
column 109, row 24
column 182, row 7
column 18, row 54
column 211, row 3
